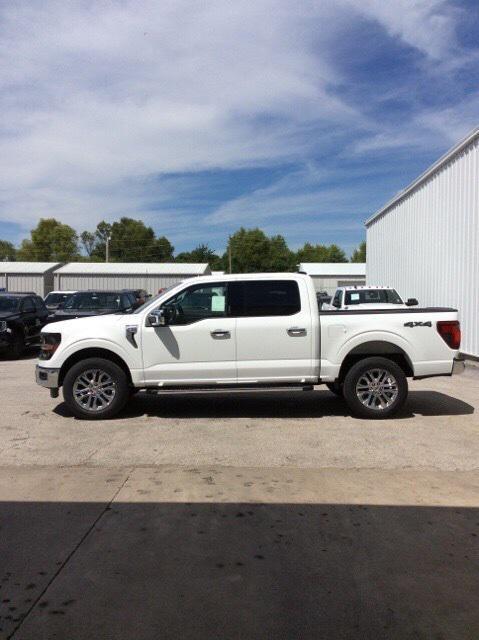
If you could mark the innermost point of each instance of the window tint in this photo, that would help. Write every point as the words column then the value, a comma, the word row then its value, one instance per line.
column 197, row 303
column 28, row 305
column 92, row 300
column 265, row 298
column 337, row 299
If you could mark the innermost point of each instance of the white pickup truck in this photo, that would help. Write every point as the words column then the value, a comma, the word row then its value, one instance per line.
column 368, row 297
column 237, row 331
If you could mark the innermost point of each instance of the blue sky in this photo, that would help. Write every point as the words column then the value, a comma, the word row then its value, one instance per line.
column 300, row 118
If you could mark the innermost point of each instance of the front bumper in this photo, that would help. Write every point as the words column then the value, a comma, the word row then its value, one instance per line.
column 458, row 366
column 46, row 377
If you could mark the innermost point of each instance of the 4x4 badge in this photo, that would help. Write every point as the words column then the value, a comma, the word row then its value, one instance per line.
column 418, row 324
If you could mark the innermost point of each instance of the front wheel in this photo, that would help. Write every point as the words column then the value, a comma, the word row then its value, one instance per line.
column 95, row 388
column 375, row 388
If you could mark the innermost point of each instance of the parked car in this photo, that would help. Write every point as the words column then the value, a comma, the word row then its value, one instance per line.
column 56, row 299
column 368, row 297
column 94, row 303
column 22, row 316
column 261, row 330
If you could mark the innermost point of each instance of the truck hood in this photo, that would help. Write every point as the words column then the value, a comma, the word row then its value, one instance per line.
column 84, row 325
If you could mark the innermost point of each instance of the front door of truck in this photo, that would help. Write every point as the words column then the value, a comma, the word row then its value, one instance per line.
column 198, row 346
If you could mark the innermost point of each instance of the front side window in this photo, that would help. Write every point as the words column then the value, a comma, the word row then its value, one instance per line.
column 258, row 298
column 198, row 303
column 337, row 299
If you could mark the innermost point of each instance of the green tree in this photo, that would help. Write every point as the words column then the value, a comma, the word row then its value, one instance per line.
column 7, row 251
column 252, row 251
column 163, row 251
column 336, row 254
column 359, row 254
column 51, row 241
column 202, row 253
column 320, row 253
column 88, row 241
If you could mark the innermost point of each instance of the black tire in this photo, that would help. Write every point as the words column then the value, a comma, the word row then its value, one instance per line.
column 336, row 388
column 387, row 397
column 116, row 395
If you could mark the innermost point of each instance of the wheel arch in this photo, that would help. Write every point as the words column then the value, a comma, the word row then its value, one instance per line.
column 93, row 352
column 381, row 348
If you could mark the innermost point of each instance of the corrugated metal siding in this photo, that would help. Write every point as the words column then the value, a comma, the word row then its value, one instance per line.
column 151, row 283
column 427, row 245
column 331, row 284
column 23, row 282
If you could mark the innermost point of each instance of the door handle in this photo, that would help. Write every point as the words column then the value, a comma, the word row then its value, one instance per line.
column 296, row 331
column 220, row 333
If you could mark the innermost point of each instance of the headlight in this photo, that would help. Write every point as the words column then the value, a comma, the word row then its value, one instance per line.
column 49, row 343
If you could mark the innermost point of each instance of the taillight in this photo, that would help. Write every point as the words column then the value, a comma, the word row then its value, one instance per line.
column 450, row 332
column 49, row 343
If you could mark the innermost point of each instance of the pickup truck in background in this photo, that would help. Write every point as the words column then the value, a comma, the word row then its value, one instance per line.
column 368, row 297
column 247, row 331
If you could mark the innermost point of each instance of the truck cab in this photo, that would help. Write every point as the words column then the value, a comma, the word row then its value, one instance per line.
column 368, row 297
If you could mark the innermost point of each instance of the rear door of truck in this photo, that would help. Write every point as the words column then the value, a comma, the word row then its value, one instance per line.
column 273, row 331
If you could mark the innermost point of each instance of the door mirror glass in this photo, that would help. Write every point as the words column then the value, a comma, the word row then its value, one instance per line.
column 412, row 302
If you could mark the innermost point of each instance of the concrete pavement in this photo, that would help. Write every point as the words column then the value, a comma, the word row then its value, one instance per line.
column 267, row 515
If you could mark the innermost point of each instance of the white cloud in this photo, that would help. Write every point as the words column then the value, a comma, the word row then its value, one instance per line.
column 95, row 97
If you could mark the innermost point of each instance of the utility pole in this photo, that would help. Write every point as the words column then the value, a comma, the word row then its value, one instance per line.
column 107, row 254
column 229, row 255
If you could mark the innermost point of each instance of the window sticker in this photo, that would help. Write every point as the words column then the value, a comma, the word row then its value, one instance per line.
column 218, row 303
column 355, row 296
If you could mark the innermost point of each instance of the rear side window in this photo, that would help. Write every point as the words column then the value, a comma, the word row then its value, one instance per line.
column 28, row 305
column 264, row 298
column 337, row 299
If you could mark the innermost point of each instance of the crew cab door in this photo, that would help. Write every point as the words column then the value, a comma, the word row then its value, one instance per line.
column 273, row 331
column 198, row 346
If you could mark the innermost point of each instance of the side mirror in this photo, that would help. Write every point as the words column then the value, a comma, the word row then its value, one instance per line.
column 159, row 318
column 411, row 302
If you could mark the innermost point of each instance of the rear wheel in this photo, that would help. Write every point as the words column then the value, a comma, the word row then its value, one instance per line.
column 375, row 388
column 95, row 389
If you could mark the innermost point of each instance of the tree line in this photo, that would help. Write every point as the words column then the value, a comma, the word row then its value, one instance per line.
column 129, row 240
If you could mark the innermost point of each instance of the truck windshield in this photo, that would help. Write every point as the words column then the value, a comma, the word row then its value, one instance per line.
column 56, row 298
column 8, row 304
column 91, row 300
column 372, row 296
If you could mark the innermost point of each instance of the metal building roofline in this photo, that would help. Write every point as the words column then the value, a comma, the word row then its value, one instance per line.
column 457, row 148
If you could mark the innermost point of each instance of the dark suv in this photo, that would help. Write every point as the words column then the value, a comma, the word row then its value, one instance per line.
column 95, row 303
column 22, row 316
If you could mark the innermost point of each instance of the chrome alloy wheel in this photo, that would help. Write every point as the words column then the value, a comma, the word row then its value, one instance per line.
column 377, row 389
column 94, row 390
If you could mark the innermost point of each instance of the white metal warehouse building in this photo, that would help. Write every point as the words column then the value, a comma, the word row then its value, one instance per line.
column 327, row 276
column 152, row 276
column 28, row 276
column 425, row 241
